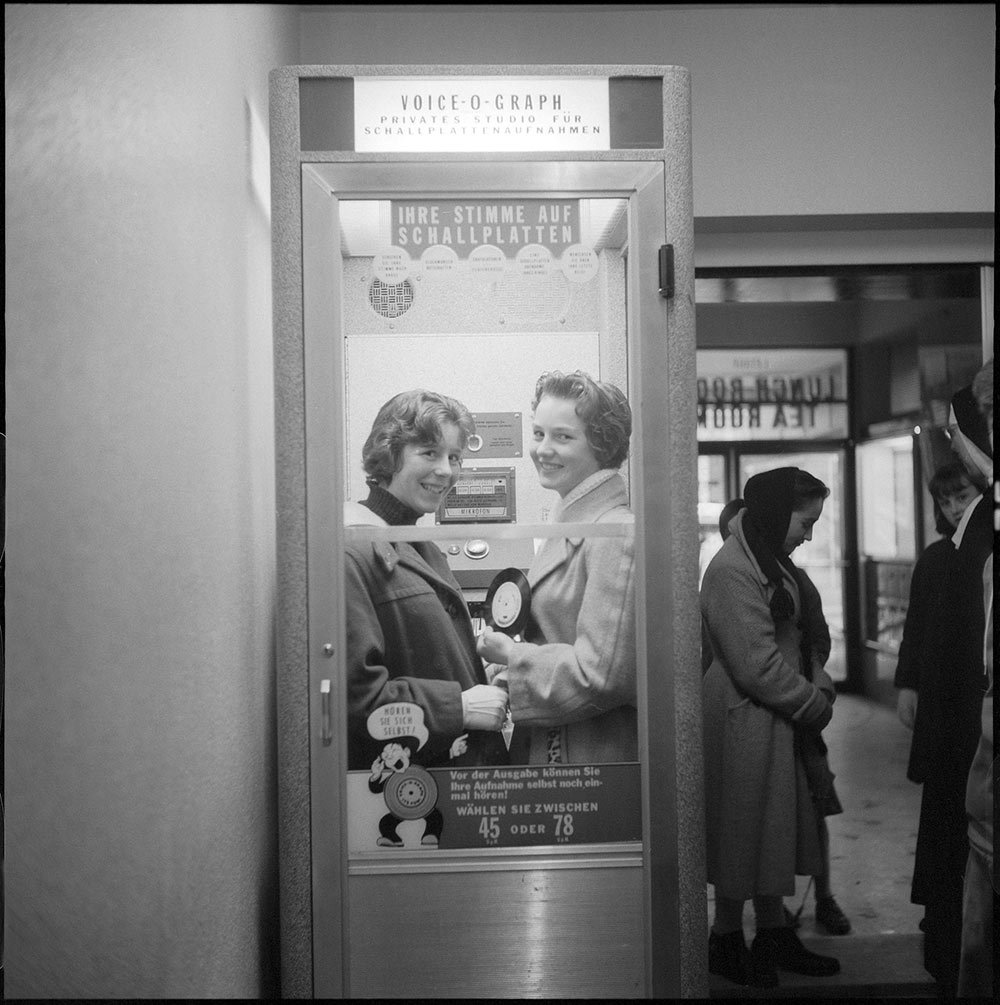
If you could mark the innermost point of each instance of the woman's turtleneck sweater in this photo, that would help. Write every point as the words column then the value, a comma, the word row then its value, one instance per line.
column 385, row 505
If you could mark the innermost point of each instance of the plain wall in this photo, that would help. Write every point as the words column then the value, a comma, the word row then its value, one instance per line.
column 140, row 701
column 796, row 109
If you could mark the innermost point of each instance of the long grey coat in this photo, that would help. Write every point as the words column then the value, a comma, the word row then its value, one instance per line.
column 762, row 828
column 576, row 669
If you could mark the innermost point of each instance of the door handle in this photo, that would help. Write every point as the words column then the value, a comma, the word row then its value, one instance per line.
column 326, row 719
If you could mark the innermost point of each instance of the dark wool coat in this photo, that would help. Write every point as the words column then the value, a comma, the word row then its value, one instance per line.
column 923, row 664
column 409, row 639
column 762, row 828
column 941, row 657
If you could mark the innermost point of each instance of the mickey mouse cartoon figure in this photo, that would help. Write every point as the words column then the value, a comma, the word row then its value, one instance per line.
column 410, row 793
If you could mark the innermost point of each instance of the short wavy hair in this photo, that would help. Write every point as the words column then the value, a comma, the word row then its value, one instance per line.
column 410, row 417
column 948, row 480
column 603, row 408
column 951, row 478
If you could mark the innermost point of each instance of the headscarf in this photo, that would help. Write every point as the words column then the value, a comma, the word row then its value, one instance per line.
column 770, row 499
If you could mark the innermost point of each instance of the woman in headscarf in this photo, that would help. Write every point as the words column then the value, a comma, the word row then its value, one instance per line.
column 762, row 826
column 815, row 649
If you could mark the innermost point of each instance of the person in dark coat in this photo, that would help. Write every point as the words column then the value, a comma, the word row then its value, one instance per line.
column 975, row 538
column 761, row 824
column 409, row 634
column 940, row 699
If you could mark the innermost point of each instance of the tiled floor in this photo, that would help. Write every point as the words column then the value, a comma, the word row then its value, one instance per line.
column 871, row 848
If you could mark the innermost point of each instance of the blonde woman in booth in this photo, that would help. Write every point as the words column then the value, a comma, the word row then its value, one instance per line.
column 571, row 681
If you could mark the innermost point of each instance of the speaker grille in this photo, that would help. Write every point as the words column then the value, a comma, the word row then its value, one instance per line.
column 390, row 300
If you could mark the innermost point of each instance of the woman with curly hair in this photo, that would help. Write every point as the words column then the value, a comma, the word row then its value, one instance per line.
column 571, row 680
column 409, row 633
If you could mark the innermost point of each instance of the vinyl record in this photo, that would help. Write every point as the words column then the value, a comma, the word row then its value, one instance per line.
column 412, row 793
column 508, row 602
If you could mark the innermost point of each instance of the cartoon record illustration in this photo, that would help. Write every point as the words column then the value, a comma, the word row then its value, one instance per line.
column 408, row 789
column 411, row 794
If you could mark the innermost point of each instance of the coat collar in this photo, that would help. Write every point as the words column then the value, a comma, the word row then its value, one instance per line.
column 736, row 529
column 409, row 557
column 738, row 533
column 389, row 555
column 592, row 498
column 587, row 503
column 356, row 515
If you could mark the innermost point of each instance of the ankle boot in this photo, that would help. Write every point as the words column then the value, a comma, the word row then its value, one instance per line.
column 729, row 957
column 782, row 948
column 831, row 917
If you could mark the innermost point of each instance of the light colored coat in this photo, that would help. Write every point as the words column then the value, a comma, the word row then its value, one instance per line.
column 576, row 669
column 762, row 828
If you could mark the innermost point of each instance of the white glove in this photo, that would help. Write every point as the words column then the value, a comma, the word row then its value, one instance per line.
column 484, row 707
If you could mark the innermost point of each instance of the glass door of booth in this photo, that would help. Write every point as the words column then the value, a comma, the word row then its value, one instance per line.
column 433, row 873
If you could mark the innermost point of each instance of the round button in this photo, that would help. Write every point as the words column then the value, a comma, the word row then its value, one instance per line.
column 477, row 548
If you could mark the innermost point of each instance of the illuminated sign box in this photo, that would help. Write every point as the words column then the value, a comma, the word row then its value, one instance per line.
column 466, row 224
column 632, row 107
column 772, row 394
column 461, row 114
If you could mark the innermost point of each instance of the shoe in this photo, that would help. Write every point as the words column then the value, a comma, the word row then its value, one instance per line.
column 384, row 842
column 729, row 957
column 791, row 920
column 783, row 949
column 831, row 917
column 429, row 841
column 763, row 973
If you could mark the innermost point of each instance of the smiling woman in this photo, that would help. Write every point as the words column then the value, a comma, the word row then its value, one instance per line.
column 428, row 470
column 572, row 679
column 410, row 643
